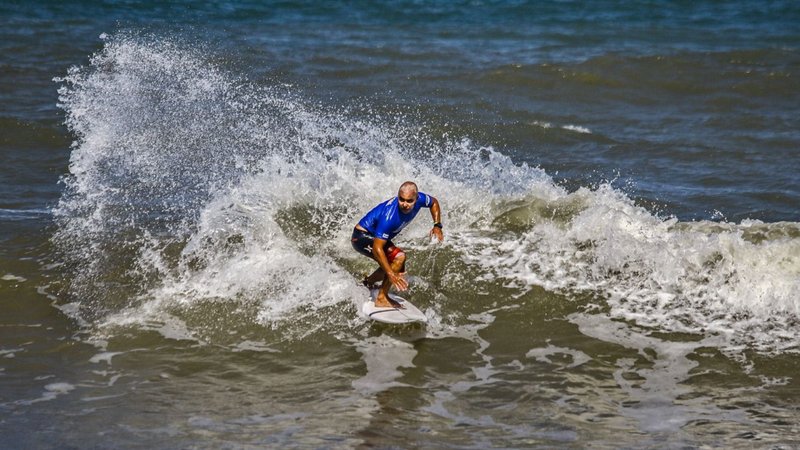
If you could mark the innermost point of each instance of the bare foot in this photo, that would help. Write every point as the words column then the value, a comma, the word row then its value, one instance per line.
column 385, row 302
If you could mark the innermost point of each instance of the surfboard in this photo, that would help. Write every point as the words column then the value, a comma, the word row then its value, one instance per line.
column 406, row 314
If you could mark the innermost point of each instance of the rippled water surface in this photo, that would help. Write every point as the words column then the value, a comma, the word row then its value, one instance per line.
column 621, row 265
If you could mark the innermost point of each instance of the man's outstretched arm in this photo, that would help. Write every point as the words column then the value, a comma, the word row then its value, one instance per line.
column 436, row 214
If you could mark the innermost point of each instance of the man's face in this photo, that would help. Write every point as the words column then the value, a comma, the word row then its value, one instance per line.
column 407, row 198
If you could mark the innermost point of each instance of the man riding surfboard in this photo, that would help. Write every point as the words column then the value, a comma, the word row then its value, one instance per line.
column 373, row 235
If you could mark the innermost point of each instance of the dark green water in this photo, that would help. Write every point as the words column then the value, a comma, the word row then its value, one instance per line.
column 621, row 265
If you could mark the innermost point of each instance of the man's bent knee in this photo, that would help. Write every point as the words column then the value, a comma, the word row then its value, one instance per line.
column 395, row 254
column 399, row 259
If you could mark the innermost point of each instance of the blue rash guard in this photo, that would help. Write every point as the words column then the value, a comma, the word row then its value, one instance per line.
column 386, row 220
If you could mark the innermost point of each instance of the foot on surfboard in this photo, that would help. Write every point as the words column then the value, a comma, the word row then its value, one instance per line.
column 406, row 314
column 390, row 304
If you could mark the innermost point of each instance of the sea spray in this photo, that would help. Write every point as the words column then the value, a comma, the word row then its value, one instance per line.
column 191, row 189
column 701, row 277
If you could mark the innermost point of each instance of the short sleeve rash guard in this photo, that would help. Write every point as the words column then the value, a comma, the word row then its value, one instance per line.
column 386, row 220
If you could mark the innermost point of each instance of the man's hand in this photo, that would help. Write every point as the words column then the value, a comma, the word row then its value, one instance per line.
column 436, row 231
column 398, row 280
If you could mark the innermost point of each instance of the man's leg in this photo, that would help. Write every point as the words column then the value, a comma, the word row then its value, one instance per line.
column 379, row 274
column 375, row 278
column 362, row 243
column 398, row 266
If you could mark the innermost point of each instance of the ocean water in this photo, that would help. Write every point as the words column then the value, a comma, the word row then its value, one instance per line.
column 621, row 264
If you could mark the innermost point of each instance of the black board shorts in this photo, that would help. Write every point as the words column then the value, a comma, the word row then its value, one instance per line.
column 362, row 243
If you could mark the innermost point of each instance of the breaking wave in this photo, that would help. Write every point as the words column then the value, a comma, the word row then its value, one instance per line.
column 197, row 201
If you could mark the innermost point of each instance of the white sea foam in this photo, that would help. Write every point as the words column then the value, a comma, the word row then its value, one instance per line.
column 10, row 353
column 577, row 128
column 542, row 124
column 12, row 277
column 383, row 356
column 189, row 186
column 692, row 277
column 103, row 357
column 544, row 354
column 51, row 391
column 656, row 404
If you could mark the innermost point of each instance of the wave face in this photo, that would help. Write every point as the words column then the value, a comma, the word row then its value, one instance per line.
column 198, row 200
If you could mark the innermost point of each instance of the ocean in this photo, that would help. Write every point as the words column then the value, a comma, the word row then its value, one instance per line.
column 621, row 209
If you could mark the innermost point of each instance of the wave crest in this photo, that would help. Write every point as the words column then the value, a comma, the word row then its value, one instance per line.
column 189, row 186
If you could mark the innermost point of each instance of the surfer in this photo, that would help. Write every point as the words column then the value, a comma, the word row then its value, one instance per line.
column 373, row 235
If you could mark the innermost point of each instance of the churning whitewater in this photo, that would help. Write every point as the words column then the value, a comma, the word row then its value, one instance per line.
column 191, row 189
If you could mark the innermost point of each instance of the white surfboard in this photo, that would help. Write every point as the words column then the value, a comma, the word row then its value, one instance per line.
column 407, row 313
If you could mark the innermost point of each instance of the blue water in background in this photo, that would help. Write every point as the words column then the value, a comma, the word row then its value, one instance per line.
column 130, row 241
column 692, row 105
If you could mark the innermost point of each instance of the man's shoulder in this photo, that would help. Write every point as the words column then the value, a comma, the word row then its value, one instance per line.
column 387, row 210
column 427, row 200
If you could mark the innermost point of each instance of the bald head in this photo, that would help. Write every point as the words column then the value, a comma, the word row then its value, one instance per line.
column 409, row 187
column 407, row 195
